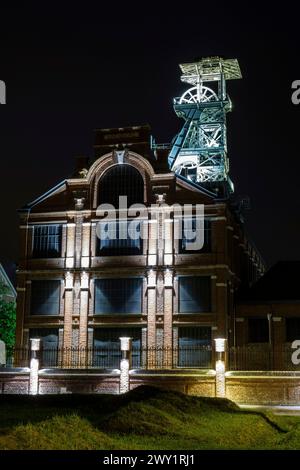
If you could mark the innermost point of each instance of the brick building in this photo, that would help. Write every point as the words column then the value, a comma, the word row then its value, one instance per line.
column 77, row 290
column 11, row 294
column 269, row 311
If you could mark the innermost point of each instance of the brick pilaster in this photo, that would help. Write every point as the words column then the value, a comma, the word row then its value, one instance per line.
column 151, row 309
column 168, row 317
column 84, row 309
column 78, row 239
column 70, row 249
column 86, row 245
column 152, row 239
column 20, row 312
column 69, row 280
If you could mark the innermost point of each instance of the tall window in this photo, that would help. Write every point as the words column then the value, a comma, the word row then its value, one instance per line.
column 121, row 180
column 194, row 346
column 119, row 237
column 47, row 241
column 189, row 227
column 194, row 294
column 107, row 352
column 45, row 297
column 258, row 330
column 292, row 326
column 118, row 296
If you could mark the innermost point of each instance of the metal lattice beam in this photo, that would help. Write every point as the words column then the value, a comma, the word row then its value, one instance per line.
column 199, row 152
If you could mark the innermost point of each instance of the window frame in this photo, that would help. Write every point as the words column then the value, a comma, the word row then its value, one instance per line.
column 119, row 250
column 201, row 312
column 207, row 246
column 44, row 254
column 58, row 303
column 113, row 190
column 125, row 280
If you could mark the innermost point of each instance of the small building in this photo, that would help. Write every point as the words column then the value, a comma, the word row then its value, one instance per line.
column 11, row 294
column 269, row 311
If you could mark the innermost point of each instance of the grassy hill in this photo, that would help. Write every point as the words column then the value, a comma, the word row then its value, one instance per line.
column 145, row 418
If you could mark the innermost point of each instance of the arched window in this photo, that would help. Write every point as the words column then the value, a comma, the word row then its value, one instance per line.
column 121, row 180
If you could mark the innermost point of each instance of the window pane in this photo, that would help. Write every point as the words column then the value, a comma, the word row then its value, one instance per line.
column 121, row 180
column 194, row 345
column 47, row 241
column 107, row 346
column 194, row 294
column 115, row 238
column 292, row 329
column 194, row 336
column 258, row 330
column 111, row 336
column 45, row 297
column 118, row 296
column 188, row 229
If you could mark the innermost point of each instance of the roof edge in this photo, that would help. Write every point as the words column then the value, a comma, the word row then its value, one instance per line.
column 41, row 198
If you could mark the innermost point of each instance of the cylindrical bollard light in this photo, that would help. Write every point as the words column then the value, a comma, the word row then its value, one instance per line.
column 220, row 346
column 34, row 366
column 125, row 363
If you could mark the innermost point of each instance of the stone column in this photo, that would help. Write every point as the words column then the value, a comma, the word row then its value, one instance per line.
column 168, row 240
column 152, row 239
column 168, row 318
column 78, row 239
column 220, row 367
column 83, row 319
column 125, row 364
column 34, row 367
column 86, row 245
column 67, row 343
column 70, row 248
column 151, row 322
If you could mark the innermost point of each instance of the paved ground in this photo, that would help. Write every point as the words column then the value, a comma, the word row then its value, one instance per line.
column 276, row 409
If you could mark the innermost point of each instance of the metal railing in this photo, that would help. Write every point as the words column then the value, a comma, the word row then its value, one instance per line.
column 80, row 358
column 261, row 357
column 171, row 358
column 251, row 357
column 109, row 358
column 18, row 357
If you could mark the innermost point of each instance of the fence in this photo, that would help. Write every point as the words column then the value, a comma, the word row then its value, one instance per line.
column 18, row 357
column 261, row 358
column 247, row 358
column 109, row 358
column 170, row 358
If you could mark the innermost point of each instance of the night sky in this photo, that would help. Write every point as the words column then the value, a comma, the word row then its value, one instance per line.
column 71, row 69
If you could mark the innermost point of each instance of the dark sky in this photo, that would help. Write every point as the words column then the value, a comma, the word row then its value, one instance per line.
column 70, row 69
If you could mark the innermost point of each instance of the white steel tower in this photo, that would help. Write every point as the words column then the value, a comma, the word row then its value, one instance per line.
column 199, row 151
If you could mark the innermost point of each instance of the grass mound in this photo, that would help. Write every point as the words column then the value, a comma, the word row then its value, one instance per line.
column 57, row 433
column 145, row 418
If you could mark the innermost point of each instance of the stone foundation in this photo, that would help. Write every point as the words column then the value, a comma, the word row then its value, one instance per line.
column 245, row 388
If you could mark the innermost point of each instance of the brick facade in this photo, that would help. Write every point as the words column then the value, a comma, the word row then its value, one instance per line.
column 73, row 204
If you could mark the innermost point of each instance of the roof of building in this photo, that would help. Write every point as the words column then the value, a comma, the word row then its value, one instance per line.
column 279, row 284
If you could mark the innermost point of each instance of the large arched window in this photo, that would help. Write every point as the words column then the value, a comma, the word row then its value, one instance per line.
column 121, row 180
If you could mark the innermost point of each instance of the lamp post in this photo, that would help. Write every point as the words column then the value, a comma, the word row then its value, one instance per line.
column 125, row 363
column 220, row 346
